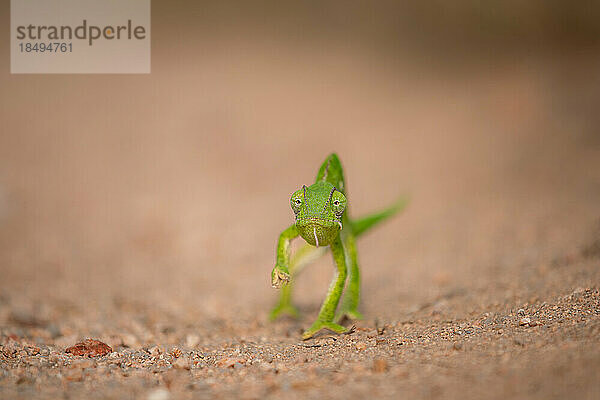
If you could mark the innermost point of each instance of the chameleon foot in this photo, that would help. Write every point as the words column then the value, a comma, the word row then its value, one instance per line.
column 280, row 277
column 283, row 309
column 352, row 315
column 319, row 325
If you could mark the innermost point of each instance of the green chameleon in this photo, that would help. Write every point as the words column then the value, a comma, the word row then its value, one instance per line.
column 321, row 212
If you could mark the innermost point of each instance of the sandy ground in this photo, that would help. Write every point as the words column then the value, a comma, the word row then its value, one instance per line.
column 143, row 211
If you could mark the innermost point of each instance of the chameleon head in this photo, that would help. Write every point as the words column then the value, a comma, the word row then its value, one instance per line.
column 319, row 209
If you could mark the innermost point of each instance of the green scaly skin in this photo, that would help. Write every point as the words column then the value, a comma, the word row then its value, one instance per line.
column 322, row 220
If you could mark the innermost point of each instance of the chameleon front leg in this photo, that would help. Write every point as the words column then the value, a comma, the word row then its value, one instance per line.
column 327, row 312
column 280, row 275
column 300, row 259
column 284, row 306
column 349, row 307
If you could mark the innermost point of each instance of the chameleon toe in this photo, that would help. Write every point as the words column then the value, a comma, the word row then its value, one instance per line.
column 331, row 326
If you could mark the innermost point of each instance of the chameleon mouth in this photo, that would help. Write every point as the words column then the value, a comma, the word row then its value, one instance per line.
column 315, row 223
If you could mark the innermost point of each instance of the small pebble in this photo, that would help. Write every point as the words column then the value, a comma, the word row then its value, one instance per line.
column 380, row 365
column 155, row 351
column 90, row 348
column 175, row 352
column 360, row 346
column 192, row 340
column 229, row 362
column 159, row 394
column 129, row 340
column 181, row 363
column 524, row 321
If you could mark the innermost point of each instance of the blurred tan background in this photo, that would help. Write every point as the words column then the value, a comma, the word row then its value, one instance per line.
column 170, row 189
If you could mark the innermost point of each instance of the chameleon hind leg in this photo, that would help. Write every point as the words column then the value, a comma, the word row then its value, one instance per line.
column 365, row 223
column 349, row 307
column 327, row 312
column 300, row 259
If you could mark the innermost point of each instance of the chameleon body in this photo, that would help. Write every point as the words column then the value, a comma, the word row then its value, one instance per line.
column 322, row 220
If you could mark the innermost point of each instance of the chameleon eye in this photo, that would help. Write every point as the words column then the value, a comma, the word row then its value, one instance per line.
column 296, row 201
column 338, row 202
